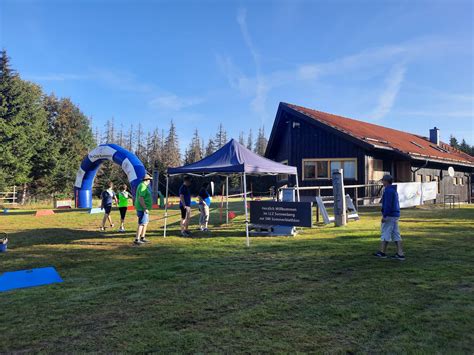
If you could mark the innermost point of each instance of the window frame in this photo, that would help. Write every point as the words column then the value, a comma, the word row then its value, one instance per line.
column 328, row 162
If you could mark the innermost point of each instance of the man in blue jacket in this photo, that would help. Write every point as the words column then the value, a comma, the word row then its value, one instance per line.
column 390, row 217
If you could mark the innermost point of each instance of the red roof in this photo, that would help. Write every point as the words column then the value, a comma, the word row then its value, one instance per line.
column 416, row 146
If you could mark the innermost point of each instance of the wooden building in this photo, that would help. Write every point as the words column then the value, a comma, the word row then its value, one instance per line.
column 317, row 142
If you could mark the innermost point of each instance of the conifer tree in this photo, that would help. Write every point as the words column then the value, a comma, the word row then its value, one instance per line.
column 261, row 143
column 24, row 134
column 241, row 138
column 194, row 152
column 210, row 147
column 250, row 140
column 172, row 156
column 221, row 137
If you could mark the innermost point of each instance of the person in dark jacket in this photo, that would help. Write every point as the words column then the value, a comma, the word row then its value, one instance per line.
column 108, row 198
column 390, row 217
column 185, row 206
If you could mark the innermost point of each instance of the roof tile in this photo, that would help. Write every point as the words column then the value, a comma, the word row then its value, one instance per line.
column 379, row 136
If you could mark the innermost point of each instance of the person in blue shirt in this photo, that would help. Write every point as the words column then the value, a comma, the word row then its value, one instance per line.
column 390, row 217
column 185, row 206
column 108, row 198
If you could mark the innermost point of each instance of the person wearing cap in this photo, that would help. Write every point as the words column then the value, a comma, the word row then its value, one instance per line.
column 390, row 217
column 185, row 206
column 143, row 204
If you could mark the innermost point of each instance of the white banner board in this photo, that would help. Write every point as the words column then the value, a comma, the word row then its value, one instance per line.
column 429, row 190
column 412, row 194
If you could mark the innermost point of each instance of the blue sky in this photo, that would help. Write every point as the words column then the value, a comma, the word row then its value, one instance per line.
column 403, row 64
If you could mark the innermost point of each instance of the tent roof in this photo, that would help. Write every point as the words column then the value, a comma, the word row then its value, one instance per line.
column 233, row 157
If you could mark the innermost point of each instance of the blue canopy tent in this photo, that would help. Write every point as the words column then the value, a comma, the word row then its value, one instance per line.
column 232, row 158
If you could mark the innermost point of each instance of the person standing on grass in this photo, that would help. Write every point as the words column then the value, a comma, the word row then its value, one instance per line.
column 204, row 207
column 108, row 198
column 143, row 204
column 123, row 197
column 185, row 206
column 390, row 217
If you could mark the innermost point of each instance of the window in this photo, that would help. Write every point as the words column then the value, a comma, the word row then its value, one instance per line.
column 455, row 180
column 427, row 178
column 314, row 169
column 309, row 170
column 376, row 171
column 461, row 181
column 419, row 178
column 322, row 169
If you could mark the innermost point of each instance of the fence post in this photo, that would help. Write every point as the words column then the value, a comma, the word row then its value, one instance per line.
column 357, row 198
column 317, row 206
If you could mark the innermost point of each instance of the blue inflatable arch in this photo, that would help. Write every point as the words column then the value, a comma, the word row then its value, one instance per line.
column 131, row 165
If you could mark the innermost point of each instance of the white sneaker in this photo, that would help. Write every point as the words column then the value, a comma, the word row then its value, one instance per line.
column 122, row 230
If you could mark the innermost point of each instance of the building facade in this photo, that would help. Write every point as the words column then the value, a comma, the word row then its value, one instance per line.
column 317, row 142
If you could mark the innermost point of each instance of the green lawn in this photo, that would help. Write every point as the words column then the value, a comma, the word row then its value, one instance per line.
column 318, row 292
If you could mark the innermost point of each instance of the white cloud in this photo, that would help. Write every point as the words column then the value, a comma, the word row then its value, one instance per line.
column 172, row 102
column 389, row 94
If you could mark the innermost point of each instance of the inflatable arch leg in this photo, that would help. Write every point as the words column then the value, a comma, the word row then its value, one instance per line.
column 131, row 165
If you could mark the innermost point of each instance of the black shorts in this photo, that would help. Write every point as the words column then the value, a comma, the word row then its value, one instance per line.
column 123, row 212
column 183, row 212
column 107, row 209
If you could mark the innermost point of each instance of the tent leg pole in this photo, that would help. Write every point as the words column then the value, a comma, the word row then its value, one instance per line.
column 297, row 189
column 166, row 207
column 246, row 213
column 227, row 200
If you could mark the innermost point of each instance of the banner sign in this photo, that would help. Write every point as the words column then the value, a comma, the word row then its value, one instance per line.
column 429, row 190
column 412, row 194
column 281, row 213
column 409, row 194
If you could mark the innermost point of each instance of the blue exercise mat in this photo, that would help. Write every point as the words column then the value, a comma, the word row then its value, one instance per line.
column 28, row 278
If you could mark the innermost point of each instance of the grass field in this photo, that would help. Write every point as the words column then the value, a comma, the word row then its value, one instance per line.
column 318, row 292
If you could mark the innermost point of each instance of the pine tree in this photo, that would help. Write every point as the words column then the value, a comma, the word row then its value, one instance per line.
column 171, row 157
column 129, row 139
column 250, row 140
column 261, row 143
column 453, row 142
column 24, row 134
column 194, row 152
column 464, row 147
column 140, row 149
column 221, row 137
column 210, row 147
column 241, row 138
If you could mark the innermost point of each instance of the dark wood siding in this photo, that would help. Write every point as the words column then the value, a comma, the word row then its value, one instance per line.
column 307, row 141
column 296, row 139
column 447, row 185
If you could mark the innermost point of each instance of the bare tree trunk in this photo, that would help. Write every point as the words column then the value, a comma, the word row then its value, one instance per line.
column 23, row 194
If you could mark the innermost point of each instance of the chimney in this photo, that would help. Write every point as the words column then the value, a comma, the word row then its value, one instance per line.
column 434, row 136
